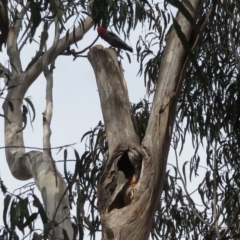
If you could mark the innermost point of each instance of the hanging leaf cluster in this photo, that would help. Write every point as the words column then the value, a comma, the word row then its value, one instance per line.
column 208, row 111
column 209, row 106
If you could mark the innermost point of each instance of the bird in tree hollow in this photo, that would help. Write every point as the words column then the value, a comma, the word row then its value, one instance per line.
column 113, row 39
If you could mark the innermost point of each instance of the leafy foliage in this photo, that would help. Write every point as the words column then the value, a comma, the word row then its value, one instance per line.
column 4, row 22
column 123, row 14
column 207, row 109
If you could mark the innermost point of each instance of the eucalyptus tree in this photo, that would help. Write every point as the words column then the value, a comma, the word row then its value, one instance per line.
column 192, row 76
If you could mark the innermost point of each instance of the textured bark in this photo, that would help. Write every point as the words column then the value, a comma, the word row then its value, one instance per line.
column 134, row 176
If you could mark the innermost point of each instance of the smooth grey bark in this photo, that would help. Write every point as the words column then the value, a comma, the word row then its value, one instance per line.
column 133, row 179
column 35, row 164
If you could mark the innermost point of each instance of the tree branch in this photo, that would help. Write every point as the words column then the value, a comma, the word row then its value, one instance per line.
column 20, row 18
column 123, row 191
column 16, row 157
column 115, row 104
column 63, row 43
column 160, row 125
column 35, row 164
column 49, row 99
column 13, row 53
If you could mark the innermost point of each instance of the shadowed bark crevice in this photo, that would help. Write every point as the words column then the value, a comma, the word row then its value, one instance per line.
column 116, row 185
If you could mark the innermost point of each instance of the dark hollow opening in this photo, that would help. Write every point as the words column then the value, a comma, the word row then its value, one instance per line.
column 127, row 168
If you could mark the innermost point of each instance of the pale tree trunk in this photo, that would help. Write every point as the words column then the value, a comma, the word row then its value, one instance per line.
column 35, row 164
column 134, row 176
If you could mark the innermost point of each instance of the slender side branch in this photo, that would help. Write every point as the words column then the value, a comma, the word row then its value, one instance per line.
column 47, row 115
column 13, row 53
column 63, row 44
column 58, row 209
column 12, row 48
column 25, row 37
column 49, row 99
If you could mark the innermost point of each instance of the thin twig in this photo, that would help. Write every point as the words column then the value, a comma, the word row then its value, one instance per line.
column 186, row 191
column 231, row 223
column 37, row 148
column 69, row 51
column 25, row 40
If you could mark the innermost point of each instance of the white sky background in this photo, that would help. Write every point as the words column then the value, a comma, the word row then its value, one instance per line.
column 76, row 106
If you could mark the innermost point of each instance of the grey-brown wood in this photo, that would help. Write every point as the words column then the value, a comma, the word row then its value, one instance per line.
column 125, row 156
column 134, row 175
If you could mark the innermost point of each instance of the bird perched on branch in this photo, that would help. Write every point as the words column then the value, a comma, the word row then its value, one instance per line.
column 113, row 39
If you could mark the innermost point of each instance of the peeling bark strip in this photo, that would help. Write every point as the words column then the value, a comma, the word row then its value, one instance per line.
column 134, row 176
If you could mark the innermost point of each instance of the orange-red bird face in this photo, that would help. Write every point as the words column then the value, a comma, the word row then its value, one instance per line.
column 101, row 31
